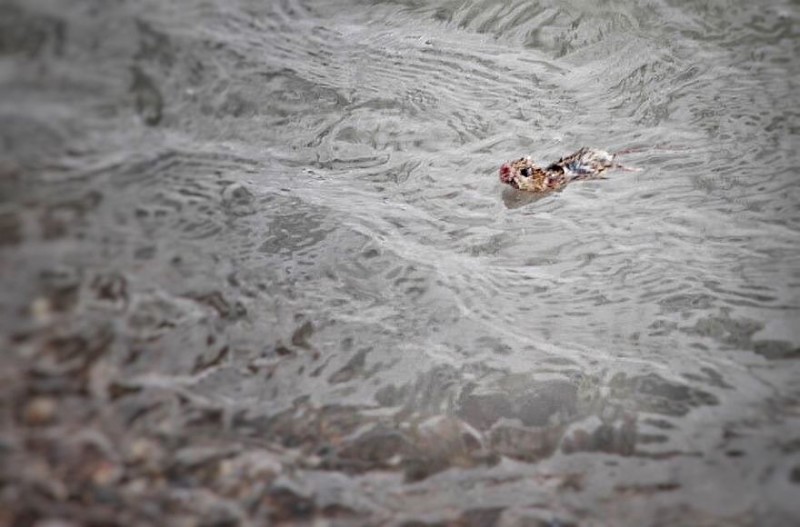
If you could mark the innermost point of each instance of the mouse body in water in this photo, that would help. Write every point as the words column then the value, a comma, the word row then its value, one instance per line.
column 586, row 163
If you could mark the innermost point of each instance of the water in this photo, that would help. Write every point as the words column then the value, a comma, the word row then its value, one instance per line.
column 257, row 256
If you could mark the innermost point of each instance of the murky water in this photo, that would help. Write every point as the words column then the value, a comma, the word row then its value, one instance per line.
column 257, row 265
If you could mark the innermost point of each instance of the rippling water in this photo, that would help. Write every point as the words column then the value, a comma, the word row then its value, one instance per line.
column 275, row 228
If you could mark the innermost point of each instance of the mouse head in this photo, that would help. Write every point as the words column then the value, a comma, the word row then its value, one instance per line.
column 522, row 167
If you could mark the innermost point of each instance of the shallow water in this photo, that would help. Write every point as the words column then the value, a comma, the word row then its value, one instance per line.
column 269, row 238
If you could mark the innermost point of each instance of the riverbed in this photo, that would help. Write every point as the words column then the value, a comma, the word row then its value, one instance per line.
column 258, row 267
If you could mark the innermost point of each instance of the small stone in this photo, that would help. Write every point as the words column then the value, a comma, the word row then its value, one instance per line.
column 141, row 450
column 137, row 487
column 106, row 473
column 289, row 502
column 39, row 411
column 146, row 454
column 42, row 310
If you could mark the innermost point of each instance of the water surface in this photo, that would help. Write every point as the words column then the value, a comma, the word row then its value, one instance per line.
column 256, row 258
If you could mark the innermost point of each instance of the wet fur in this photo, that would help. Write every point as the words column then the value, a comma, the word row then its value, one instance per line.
column 586, row 163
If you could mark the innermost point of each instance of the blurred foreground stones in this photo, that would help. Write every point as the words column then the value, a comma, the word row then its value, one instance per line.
column 93, row 434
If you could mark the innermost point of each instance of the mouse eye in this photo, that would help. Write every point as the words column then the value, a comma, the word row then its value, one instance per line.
column 525, row 172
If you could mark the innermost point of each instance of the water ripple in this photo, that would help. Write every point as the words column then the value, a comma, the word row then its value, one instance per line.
column 279, row 223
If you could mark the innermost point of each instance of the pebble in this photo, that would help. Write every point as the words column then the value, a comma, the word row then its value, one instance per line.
column 39, row 411
column 42, row 310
